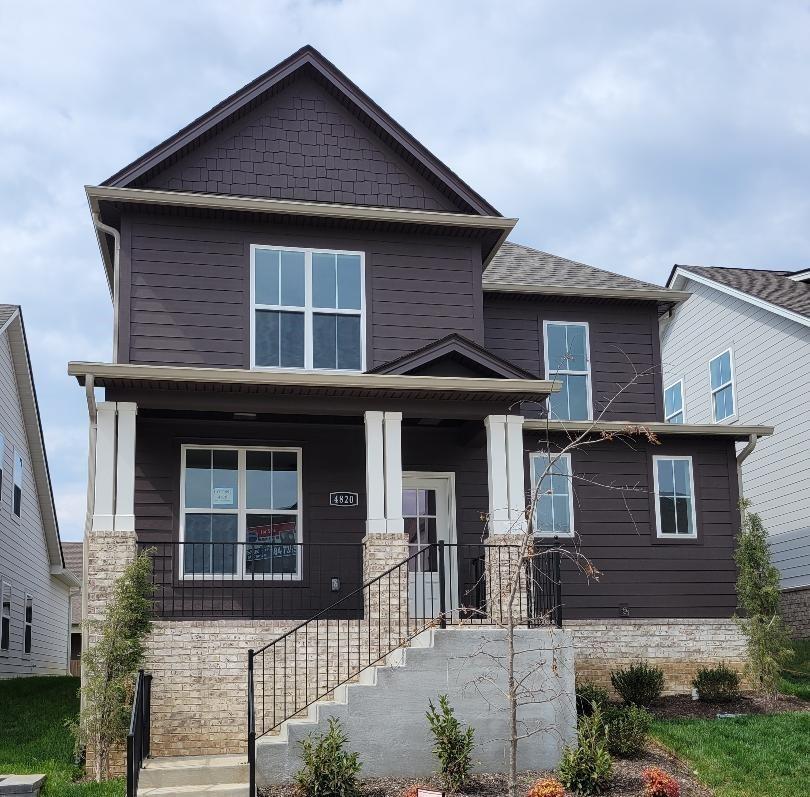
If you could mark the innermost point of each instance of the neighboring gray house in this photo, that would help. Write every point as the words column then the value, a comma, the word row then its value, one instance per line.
column 738, row 351
column 73, row 553
column 34, row 584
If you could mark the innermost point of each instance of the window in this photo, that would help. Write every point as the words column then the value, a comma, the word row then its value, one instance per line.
column 721, row 373
column 554, row 509
column 568, row 361
column 18, row 483
column 5, row 615
column 308, row 309
column 241, row 514
column 673, row 403
column 674, row 497
column 29, row 623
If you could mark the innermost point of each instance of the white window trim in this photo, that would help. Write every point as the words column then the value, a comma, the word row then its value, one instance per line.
column 712, row 390
column 552, row 457
column 241, row 512
column 682, row 411
column 28, row 624
column 3, row 586
column 15, row 454
column 669, row 536
column 549, row 372
column 307, row 310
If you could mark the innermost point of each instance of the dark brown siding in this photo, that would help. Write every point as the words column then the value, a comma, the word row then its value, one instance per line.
column 302, row 144
column 186, row 291
column 614, row 515
column 625, row 360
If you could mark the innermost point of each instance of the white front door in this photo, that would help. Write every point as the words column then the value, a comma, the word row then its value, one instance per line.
column 427, row 507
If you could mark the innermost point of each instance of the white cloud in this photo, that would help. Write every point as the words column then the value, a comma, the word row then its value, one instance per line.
column 630, row 135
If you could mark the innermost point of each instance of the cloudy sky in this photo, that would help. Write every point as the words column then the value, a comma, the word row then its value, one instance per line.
column 629, row 135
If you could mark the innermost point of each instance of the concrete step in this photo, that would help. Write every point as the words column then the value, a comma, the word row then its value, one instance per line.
column 216, row 790
column 193, row 770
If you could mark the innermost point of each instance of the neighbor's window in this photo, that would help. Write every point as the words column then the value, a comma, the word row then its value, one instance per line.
column 674, row 497
column 568, row 361
column 18, row 483
column 2, row 463
column 554, row 508
column 673, row 403
column 5, row 615
column 721, row 370
column 308, row 309
column 241, row 512
column 29, row 623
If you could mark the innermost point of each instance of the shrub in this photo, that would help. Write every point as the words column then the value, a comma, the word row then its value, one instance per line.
column 329, row 770
column 626, row 730
column 453, row 746
column 586, row 768
column 717, row 684
column 658, row 783
column 639, row 684
column 546, row 787
column 589, row 695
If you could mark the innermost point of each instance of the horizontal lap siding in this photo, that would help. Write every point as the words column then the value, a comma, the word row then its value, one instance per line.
column 614, row 515
column 625, row 374
column 186, row 289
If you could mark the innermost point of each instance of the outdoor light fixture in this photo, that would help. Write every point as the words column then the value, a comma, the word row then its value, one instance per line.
column 335, row 585
column 244, row 416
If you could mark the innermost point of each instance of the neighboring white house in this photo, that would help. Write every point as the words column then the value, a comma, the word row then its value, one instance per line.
column 34, row 584
column 738, row 351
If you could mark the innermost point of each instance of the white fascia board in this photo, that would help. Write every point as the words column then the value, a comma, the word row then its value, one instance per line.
column 685, row 274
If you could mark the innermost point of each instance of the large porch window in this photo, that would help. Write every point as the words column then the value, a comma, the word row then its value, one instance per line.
column 241, row 512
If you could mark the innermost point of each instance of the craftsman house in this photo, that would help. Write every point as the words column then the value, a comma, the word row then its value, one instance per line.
column 334, row 384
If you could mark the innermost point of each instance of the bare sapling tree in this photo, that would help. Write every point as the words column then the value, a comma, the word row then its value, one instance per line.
column 505, row 605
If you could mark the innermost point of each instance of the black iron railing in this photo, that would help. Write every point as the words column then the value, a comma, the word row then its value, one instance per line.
column 139, row 731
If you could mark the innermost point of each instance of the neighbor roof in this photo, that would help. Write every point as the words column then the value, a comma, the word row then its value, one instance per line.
column 11, row 322
column 520, row 269
column 74, row 561
column 323, row 70
column 776, row 288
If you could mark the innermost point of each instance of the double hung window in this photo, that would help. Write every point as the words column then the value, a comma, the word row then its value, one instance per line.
column 16, row 498
column 554, row 506
column 29, row 624
column 721, row 376
column 568, row 361
column 5, row 615
column 673, row 403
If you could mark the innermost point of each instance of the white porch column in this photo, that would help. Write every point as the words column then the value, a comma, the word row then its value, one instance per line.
column 375, row 473
column 104, row 507
column 515, row 473
column 392, row 430
column 125, row 467
column 497, row 474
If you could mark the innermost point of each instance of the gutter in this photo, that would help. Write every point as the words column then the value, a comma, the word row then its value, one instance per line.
column 65, row 576
column 114, row 287
column 741, row 457
column 92, row 412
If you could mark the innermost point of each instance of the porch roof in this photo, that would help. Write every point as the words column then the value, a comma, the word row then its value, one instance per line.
column 738, row 432
column 300, row 384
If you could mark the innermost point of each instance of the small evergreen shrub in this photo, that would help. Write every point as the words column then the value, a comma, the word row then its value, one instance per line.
column 589, row 695
column 717, row 684
column 328, row 770
column 639, row 684
column 658, row 783
column 546, row 787
column 626, row 729
column 453, row 746
column 586, row 769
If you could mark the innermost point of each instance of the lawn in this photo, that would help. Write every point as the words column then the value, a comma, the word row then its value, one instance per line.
column 33, row 736
column 796, row 676
column 744, row 757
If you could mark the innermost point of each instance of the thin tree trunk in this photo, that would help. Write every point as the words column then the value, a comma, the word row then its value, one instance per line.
column 510, row 670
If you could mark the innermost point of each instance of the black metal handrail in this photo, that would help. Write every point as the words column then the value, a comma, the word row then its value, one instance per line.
column 138, row 737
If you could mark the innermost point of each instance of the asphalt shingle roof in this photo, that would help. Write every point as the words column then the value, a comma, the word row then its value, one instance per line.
column 770, row 286
column 522, row 265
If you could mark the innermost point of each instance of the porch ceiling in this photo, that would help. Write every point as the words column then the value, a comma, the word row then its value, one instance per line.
column 316, row 385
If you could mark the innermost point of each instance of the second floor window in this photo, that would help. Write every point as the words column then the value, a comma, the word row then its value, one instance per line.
column 673, row 403
column 721, row 374
column 308, row 309
column 568, row 361
column 16, row 500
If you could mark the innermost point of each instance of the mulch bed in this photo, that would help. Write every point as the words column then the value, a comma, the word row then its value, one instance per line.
column 626, row 782
column 683, row 707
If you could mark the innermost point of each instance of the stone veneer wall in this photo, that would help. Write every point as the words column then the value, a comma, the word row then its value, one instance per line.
column 679, row 647
column 795, row 607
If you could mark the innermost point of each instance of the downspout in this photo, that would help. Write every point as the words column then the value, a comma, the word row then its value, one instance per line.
column 92, row 412
column 115, row 284
column 741, row 457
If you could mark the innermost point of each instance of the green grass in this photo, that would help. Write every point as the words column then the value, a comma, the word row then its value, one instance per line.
column 33, row 736
column 796, row 676
column 744, row 757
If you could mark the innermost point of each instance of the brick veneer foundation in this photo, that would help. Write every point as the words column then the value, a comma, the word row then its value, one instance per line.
column 678, row 647
column 795, row 607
